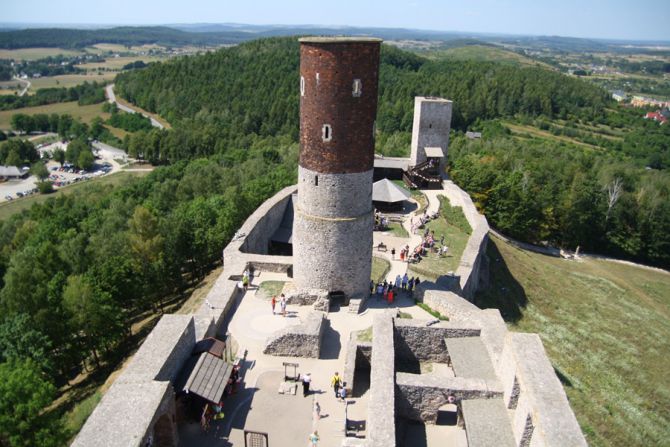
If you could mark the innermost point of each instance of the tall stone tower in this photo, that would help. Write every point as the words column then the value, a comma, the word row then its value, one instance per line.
column 332, row 227
column 432, row 123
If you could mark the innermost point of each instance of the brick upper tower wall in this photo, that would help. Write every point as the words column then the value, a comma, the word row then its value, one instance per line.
column 329, row 67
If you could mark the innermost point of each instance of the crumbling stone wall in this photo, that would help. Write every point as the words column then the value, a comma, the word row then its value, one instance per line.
column 415, row 341
column 302, row 340
column 381, row 413
column 420, row 396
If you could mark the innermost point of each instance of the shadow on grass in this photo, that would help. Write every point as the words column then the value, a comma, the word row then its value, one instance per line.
column 503, row 292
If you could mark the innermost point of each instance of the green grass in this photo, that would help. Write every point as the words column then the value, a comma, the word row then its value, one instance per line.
column 605, row 327
column 433, row 312
column 405, row 315
column 456, row 230
column 85, row 113
column 398, row 230
column 365, row 335
column 76, row 418
column 7, row 209
column 380, row 267
column 268, row 289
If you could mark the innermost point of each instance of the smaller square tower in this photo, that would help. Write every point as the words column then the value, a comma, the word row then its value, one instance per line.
column 432, row 123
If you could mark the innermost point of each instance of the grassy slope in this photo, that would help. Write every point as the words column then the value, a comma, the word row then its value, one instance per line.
column 605, row 327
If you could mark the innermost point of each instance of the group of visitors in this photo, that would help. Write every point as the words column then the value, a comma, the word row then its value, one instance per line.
column 422, row 220
column 388, row 290
column 282, row 304
column 381, row 221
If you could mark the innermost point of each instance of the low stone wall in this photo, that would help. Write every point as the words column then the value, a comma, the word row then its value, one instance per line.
column 381, row 412
column 470, row 266
column 358, row 357
column 493, row 327
column 541, row 412
column 142, row 394
column 415, row 341
column 302, row 340
column 262, row 224
column 420, row 396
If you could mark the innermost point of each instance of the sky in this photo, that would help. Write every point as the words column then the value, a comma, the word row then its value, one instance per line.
column 611, row 19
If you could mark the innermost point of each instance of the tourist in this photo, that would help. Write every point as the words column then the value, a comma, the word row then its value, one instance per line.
column 314, row 438
column 398, row 281
column 245, row 282
column 306, row 380
column 442, row 240
column 390, row 296
column 410, row 284
column 274, row 303
column 317, row 411
column 336, row 382
column 417, row 281
column 402, row 255
column 282, row 304
column 343, row 392
column 393, row 254
column 404, row 282
column 386, row 292
column 380, row 290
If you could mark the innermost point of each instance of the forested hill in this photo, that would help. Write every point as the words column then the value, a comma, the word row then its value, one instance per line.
column 254, row 86
column 124, row 35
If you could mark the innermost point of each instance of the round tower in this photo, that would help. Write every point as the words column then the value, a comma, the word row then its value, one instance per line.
column 332, row 227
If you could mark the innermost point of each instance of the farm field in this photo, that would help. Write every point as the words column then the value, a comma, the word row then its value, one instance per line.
column 86, row 113
column 605, row 327
column 117, row 63
column 520, row 129
column 485, row 53
column 31, row 54
column 69, row 80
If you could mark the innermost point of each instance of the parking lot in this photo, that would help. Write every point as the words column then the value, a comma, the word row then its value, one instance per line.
column 60, row 176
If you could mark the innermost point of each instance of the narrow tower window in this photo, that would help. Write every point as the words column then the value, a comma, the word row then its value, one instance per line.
column 327, row 132
column 316, row 180
column 317, row 79
column 357, row 88
column 302, row 86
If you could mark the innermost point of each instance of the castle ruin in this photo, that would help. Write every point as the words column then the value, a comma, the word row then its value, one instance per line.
column 499, row 385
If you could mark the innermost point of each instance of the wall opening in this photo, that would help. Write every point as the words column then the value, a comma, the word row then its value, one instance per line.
column 327, row 132
column 316, row 180
column 302, row 86
column 357, row 88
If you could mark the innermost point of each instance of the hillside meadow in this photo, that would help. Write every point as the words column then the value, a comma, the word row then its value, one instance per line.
column 605, row 326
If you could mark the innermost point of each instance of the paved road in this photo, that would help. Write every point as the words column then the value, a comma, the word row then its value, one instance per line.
column 111, row 98
column 25, row 89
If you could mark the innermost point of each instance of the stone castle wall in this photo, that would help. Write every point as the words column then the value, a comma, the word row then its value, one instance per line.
column 473, row 257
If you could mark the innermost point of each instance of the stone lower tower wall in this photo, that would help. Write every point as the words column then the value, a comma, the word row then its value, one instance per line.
column 332, row 226
column 432, row 123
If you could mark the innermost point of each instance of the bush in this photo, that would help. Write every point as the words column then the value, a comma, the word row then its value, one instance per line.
column 45, row 187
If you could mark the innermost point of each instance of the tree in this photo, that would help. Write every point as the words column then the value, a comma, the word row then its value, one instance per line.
column 59, row 156
column 24, row 394
column 85, row 159
column 13, row 159
column 74, row 149
column 39, row 170
column 93, row 314
column 97, row 128
column 614, row 190
column 20, row 340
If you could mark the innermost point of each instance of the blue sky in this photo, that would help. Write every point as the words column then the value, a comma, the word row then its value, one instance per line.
column 623, row 19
